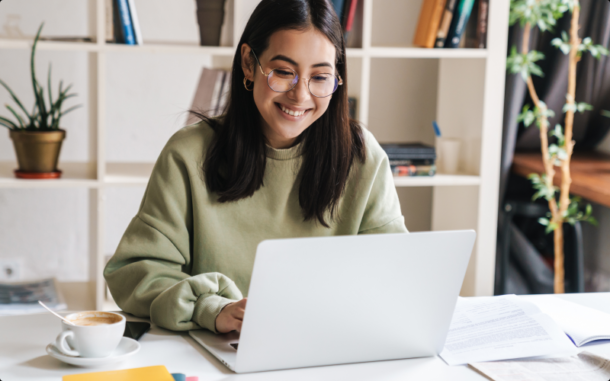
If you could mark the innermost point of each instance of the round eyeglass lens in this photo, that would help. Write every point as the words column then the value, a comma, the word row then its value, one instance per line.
column 323, row 85
column 282, row 80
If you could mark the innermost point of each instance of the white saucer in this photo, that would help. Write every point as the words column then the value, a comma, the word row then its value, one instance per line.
column 127, row 347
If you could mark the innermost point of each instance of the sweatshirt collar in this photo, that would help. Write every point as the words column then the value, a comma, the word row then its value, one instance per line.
column 284, row 154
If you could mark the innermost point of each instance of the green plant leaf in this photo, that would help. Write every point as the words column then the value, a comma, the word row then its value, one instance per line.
column 8, row 123
column 541, row 13
column 542, row 190
column 36, row 86
column 524, row 64
column 22, row 124
column 12, row 94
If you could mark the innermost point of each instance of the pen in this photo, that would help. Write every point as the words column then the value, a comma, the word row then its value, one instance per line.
column 437, row 130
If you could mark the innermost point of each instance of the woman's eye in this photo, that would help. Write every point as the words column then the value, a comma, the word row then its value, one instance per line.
column 320, row 78
column 284, row 73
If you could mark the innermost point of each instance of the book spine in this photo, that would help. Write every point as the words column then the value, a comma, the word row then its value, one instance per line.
column 126, row 22
column 443, row 28
column 109, row 20
column 350, row 16
column 338, row 5
column 116, row 22
column 135, row 22
column 414, row 170
column 458, row 24
column 482, row 24
column 429, row 21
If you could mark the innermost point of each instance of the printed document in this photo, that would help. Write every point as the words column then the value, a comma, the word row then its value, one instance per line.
column 502, row 328
column 583, row 367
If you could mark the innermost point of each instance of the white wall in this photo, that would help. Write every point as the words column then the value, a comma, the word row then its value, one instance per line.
column 46, row 230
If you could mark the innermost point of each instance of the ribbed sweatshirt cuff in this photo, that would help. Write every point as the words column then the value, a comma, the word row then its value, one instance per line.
column 207, row 308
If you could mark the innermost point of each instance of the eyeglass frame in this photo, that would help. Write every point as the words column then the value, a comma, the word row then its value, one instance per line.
column 337, row 76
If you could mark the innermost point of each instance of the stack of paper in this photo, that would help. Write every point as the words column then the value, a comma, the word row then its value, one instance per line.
column 501, row 328
column 583, row 367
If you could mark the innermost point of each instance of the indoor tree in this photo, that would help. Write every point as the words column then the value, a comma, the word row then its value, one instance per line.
column 557, row 151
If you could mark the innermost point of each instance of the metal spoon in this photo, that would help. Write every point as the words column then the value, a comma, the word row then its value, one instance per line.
column 54, row 313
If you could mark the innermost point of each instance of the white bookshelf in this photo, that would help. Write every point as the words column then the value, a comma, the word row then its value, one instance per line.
column 462, row 89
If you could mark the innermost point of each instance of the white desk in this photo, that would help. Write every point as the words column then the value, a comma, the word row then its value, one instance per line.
column 23, row 340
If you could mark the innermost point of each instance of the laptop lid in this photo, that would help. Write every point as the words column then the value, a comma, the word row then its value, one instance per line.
column 336, row 300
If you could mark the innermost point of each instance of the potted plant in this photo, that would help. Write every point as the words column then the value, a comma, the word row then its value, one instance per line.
column 36, row 135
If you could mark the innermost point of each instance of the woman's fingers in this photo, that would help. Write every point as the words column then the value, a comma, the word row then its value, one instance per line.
column 231, row 317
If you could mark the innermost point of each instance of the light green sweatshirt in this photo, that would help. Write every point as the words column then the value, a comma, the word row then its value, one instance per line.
column 185, row 256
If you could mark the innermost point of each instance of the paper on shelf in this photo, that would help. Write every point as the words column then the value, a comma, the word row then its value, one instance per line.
column 582, row 367
column 581, row 323
column 502, row 328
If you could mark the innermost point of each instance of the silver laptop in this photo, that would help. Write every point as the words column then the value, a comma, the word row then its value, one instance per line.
column 347, row 299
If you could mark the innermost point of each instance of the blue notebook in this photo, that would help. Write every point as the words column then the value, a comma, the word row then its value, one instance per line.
column 458, row 23
column 126, row 25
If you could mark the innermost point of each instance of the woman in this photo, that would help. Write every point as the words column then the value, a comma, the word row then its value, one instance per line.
column 284, row 161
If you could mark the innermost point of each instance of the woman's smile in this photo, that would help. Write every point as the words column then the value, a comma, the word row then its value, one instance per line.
column 292, row 113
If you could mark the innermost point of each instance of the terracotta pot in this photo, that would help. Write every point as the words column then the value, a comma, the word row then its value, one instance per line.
column 37, row 151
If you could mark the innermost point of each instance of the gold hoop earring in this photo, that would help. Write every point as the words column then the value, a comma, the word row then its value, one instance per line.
column 246, row 80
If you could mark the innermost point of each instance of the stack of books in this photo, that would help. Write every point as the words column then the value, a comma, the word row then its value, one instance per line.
column 22, row 297
column 212, row 93
column 411, row 159
column 346, row 11
column 122, row 24
column 448, row 24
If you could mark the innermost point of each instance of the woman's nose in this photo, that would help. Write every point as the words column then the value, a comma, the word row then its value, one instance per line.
column 300, row 92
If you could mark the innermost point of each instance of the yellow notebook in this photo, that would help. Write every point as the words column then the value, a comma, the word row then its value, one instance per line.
column 149, row 373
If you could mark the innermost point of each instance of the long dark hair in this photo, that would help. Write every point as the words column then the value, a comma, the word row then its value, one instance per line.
column 235, row 162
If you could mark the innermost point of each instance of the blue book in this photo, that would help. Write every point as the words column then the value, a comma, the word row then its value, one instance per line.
column 338, row 5
column 126, row 25
column 458, row 23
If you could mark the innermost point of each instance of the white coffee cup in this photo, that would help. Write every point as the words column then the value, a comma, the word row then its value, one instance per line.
column 95, row 334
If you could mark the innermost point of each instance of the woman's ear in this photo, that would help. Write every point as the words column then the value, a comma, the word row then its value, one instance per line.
column 246, row 62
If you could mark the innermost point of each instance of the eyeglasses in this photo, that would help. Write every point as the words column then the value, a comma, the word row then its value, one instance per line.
column 285, row 79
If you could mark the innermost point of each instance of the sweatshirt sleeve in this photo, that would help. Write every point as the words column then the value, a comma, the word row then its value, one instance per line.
column 148, row 275
column 382, row 213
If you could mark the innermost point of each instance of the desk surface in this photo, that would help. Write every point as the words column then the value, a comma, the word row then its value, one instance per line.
column 23, row 340
column 590, row 173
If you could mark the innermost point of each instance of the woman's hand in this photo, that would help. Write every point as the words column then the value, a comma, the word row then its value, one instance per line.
column 231, row 317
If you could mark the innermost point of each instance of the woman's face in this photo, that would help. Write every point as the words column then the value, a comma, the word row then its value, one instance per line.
column 286, row 115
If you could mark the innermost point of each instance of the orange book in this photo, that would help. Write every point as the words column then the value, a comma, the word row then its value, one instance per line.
column 149, row 373
column 429, row 20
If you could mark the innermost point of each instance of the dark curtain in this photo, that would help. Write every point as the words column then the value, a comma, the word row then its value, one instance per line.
column 593, row 87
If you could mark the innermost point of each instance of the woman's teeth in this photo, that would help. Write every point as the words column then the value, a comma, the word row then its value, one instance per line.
column 290, row 112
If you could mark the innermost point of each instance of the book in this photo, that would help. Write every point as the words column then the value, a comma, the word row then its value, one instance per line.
column 582, row 324
column 458, row 23
column 351, row 13
column 149, row 373
column 135, row 22
column 482, row 24
column 125, row 19
column 409, row 151
column 116, row 23
column 429, row 20
column 413, row 170
column 207, row 93
column 338, row 5
column 22, row 297
column 469, row 38
column 109, row 17
column 224, row 94
column 352, row 104
column 443, row 27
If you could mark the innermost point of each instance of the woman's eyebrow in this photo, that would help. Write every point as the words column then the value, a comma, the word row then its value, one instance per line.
column 281, row 57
